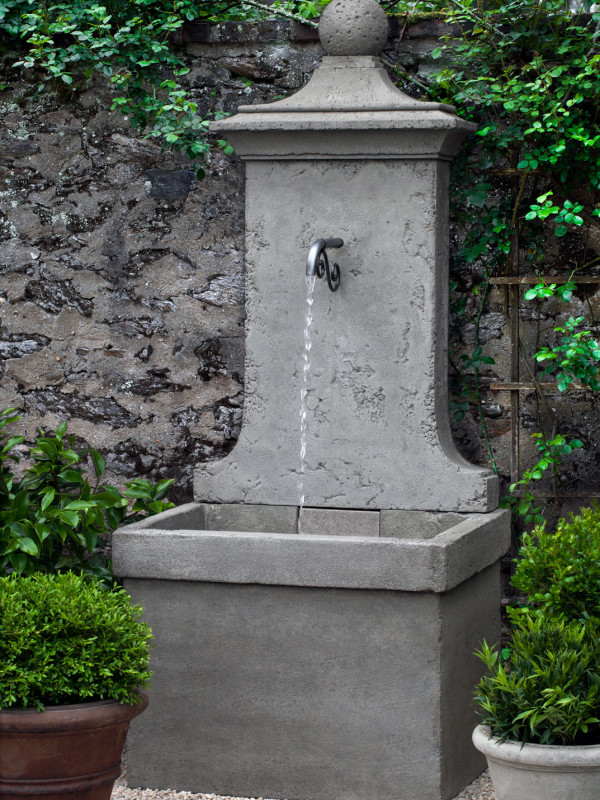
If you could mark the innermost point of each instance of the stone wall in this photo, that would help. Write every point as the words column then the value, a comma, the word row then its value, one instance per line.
column 122, row 275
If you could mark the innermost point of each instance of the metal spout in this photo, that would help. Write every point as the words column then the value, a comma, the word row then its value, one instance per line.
column 317, row 262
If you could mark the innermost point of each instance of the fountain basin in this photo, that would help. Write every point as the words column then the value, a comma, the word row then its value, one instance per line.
column 412, row 551
column 330, row 664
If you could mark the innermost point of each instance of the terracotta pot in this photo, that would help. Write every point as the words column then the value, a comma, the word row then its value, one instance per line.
column 65, row 751
column 540, row 771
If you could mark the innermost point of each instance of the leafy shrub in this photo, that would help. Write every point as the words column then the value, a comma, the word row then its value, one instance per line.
column 54, row 519
column 64, row 639
column 560, row 572
column 548, row 691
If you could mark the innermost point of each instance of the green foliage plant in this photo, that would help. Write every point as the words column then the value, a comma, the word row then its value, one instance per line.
column 527, row 72
column 545, row 686
column 575, row 358
column 548, row 690
column 542, row 290
column 551, row 455
column 65, row 639
column 567, row 215
column 527, row 184
column 56, row 517
column 559, row 573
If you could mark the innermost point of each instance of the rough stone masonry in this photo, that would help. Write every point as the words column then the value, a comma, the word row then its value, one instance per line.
column 122, row 276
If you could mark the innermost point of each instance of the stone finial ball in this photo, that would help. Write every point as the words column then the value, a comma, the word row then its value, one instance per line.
column 353, row 28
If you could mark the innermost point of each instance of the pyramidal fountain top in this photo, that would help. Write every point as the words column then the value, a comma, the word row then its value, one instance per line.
column 351, row 78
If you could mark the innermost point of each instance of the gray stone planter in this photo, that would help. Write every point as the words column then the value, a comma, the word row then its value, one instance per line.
column 540, row 771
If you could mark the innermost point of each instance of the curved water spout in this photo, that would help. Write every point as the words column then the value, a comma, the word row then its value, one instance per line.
column 317, row 263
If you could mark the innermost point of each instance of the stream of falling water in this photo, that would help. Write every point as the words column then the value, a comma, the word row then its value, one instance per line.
column 310, row 285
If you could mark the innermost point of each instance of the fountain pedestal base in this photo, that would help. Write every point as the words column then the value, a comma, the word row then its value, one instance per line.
column 325, row 667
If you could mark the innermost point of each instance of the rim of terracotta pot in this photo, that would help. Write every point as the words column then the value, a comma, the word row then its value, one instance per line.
column 585, row 756
column 76, row 716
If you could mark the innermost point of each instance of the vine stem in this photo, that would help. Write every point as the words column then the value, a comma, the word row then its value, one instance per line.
column 479, row 20
column 537, row 385
column 483, row 424
column 279, row 12
column 519, row 197
column 477, row 392
column 541, row 393
column 403, row 74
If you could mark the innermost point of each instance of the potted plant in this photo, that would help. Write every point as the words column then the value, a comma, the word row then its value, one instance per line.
column 73, row 673
column 540, row 704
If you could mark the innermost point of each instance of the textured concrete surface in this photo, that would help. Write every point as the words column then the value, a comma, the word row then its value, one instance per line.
column 353, row 28
column 224, row 517
column 266, row 519
column 470, row 614
column 416, row 524
column 329, row 664
column 358, row 84
column 378, row 430
column 437, row 564
column 336, row 522
column 323, row 694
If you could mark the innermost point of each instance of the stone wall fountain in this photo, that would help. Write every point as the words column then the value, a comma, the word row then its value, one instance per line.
column 325, row 652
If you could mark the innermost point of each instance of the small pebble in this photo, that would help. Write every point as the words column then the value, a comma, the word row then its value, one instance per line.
column 480, row 789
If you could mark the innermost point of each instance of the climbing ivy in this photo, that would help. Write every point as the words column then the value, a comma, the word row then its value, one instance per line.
column 129, row 42
column 527, row 192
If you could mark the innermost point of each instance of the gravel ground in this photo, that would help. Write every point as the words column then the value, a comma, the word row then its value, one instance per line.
column 480, row 789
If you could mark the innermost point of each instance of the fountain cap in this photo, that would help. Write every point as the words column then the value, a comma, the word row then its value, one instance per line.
column 353, row 28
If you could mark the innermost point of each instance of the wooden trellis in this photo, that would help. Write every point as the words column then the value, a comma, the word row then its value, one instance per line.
column 513, row 284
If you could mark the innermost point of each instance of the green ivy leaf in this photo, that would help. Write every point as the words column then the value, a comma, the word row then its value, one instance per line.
column 47, row 499
column 70, row 517
column 28, row 546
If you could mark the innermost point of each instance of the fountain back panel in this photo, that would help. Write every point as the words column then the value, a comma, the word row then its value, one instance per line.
column 335, row 663
column 379, row 427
